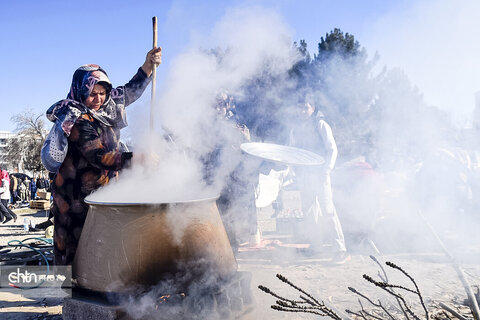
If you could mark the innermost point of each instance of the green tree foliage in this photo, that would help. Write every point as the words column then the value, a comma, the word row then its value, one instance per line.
column 369, row 110
column 372, row 114
column 304, row 62
column 340, row 78
column 336, row 44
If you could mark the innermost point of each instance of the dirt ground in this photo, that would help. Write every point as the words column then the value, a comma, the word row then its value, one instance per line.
column 277, row 253
column 15, row 305
column 433, row 272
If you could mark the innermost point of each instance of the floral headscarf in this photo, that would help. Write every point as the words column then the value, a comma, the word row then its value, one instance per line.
column 68, row 110
column 84, row 79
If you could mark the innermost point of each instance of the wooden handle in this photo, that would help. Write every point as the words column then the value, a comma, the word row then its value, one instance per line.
column 154, row 23
column 154, row 72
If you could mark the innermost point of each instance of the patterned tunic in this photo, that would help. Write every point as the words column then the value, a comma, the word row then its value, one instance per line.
column 92, row 159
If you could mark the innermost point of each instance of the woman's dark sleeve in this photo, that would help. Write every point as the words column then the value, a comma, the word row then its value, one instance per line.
column 131, row 91
column 86, row 138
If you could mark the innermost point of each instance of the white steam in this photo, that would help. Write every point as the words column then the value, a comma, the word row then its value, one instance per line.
column 414, row 163
column 245, row 42
column 411, row 145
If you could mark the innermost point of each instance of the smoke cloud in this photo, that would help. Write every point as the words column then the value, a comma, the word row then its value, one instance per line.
column 397, row 155
column 403, row 166
column 246, row 41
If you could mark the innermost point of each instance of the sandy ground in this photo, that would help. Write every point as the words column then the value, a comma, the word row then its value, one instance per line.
column 433, row 272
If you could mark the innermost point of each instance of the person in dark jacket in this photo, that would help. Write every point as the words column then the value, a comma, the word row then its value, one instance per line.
column 92, row 116
column 236, row 203
column 40, row 182
column 13, row 188
column 33, row 189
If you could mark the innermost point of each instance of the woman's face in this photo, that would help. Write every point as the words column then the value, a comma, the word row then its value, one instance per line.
column 96, row 98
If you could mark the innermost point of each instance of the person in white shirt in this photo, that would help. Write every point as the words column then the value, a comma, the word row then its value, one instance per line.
column 313, row 133
column 5, row 212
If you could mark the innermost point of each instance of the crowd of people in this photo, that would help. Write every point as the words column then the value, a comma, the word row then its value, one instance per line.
column 23, row 188
column 17, row 190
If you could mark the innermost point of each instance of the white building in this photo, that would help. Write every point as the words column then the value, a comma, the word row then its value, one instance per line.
column 5, row 137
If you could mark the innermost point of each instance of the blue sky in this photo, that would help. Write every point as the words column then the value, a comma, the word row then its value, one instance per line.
column 43, row 42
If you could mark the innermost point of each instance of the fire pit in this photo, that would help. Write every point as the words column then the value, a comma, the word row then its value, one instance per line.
column 127, row 246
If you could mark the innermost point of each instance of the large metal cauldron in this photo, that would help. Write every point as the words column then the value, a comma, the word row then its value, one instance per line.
column 124, row 246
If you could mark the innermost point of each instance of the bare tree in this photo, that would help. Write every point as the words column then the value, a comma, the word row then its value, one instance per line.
column 30, row 124
column 26, row 145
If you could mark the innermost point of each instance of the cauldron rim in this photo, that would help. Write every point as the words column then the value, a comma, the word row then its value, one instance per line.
column 147, row 204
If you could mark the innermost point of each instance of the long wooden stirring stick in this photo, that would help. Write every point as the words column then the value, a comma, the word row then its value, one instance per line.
column 154, row 73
